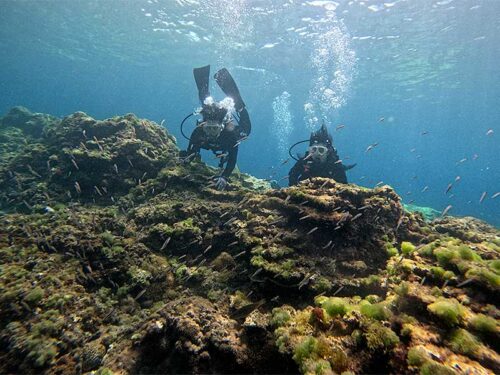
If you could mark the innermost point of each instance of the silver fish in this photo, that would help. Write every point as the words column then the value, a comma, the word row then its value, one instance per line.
column 445, row 211
column 312, row 230
column 482, row 197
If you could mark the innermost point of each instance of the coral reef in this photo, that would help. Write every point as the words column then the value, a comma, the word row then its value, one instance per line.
column 117, row 257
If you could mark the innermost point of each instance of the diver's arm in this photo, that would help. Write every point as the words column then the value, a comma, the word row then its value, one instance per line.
column 245, row 124
column 294, row 174
column 337, row 172
column 231, row 162
column 195, row 141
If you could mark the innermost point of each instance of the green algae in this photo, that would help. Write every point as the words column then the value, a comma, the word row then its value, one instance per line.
column 450, row 312
column 463, row 342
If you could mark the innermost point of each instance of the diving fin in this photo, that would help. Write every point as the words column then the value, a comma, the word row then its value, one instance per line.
column 202, row 77
column 227, row 84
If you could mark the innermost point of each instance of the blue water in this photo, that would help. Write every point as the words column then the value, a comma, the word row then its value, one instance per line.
column 429, row 68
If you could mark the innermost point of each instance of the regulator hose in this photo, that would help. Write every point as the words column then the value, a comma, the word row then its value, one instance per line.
column 292, row 146
column 182, row 126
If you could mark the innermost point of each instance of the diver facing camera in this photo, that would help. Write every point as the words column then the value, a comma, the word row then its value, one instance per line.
column 320, row 160
column 223, row 125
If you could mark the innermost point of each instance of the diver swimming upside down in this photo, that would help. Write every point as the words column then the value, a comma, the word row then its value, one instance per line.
column 320, row 160
column 219, row 130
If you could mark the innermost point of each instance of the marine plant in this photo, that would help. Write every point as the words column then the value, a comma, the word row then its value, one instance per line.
column 463, row 342
column 335, row 306
column 407, row 248
column 380, row 338
column 448, row 311
column 417, row 356
column 377, row 311
column 483, row 323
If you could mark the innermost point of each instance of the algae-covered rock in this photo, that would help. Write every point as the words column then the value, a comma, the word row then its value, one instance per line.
column 115, row 257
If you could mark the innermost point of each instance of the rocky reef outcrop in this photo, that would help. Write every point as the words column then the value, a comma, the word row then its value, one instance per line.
column 117, row 257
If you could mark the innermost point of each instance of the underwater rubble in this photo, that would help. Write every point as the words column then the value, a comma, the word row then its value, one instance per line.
column 116, row 257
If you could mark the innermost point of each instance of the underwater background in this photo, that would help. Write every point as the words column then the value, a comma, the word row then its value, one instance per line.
column 418, row 78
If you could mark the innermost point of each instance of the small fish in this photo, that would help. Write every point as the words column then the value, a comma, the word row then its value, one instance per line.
column 207, row 249
column 162, row 122
column 130, row 162
column 256, row 273
column 304, row 217
column 244, row 311
column 462, row 161
column 165, row 243
column 327, row 245
column 338, row 161
column 232, row 243
column 234, row 218
column 78, row 188
column 482, row 197
column 490, row 132
column 284, row 178
column 312, row 231
column 445, row 211
column 84, row 133
column 356, row 216
column 364, row 207
column 425, row 132
column 422, row 281
column 458, row 178
column 32, row 171
column 338, row 290
column 400, row 221
column 495, row 195
column 381, row 119
column 379, row 183
column 249, row 293
column 339, row 127
column 143, row 175
column 463, row 283
column 202, row 262
column 371, row 147
column 425, row 189
column 275, row 299
column 285, row 161
column 448, row 188
column 413, row 150
column 97, row 190
column 181, row 257
column 140, row 294
column 303, row 203
column 475, row 156
column 49, row 209
column 239, row 254
column 323, row 184
column 115, row 168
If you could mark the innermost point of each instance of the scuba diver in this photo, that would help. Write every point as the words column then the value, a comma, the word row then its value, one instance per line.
column 320, row 160
column 224, row 125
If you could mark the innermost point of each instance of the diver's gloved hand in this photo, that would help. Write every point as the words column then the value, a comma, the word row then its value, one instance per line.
column 185, row 157
column 220, row 183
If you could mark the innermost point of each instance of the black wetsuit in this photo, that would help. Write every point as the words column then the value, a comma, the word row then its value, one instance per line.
column 226, row 142
column 330, row 168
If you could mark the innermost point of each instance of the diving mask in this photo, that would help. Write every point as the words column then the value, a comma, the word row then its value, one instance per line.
column 318, row 152
column 212, row 129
